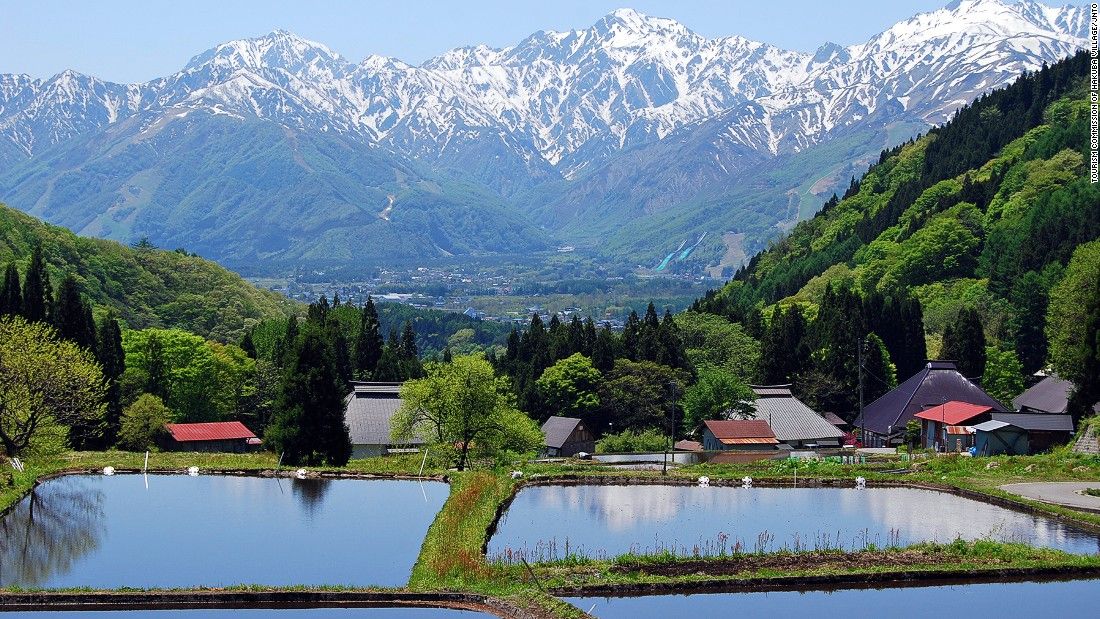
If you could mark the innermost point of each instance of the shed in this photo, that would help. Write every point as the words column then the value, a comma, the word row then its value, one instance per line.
column 1044, row 430
column 688, row 445
column 739, row 434
column 794, row 423
column 567, row 436
column 369, row 411
column 992, row 438
column 883, row 420
column 224, row 436
column 937, row 421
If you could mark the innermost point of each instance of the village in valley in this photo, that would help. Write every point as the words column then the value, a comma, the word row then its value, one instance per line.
column 614, row 322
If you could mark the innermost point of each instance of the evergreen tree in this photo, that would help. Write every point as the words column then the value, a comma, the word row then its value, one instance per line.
column 631, row 335
column 964, row 343
column 390, row 367
column 37, row 295
column 112, row 359
column 879, row 373
column 1029, row 299
column 603, row 352
column 156, row 368
column 649, row 336
column 11, row 297
column 448, row 357
column 670, row 350
column 71, row 315
column 368, row 344
column 309, row 426
column 408, row 341
column 248, row 345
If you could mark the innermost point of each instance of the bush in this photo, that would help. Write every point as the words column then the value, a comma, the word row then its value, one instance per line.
column 631, row 441
column 143, row 423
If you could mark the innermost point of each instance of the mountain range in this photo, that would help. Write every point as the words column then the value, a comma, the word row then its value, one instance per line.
column 632, row 138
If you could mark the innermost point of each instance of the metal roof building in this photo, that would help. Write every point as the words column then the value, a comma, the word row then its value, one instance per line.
column 231, row 436
column 567, row 436
column 369, row 411
column 936, row 383
column 751, row 434
column 793, row 422
column 1049, row 395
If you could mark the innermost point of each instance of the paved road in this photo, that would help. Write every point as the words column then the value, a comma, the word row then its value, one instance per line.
column 1065, row 493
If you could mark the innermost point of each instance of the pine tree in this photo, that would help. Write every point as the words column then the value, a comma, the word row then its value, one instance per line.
column 671, row 345
column 156, row 367
column 649, row 335
column 248, row 345
column 603, row 352
column 964, row 343
column 448, row 357
column 11, row 297
column 309, row 426
column 631, row 335
column 112, row 359
column 410, row 354
column 71, row 315
column 368, row 343
column 37, row 295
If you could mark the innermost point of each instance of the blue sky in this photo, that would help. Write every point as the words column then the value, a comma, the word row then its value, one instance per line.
column 132, row 41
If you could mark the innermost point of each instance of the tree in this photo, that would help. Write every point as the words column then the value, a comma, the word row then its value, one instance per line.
column 368, row 343
column 1004, row 374
column 715, row 341
column 309, row 423
column 639, row 395
column 37, row 295
column 879, row 373
column 1073, row 327
column 143, row 423
column 112, row 360
column 44, row 382
column 71, row 316
column 718, row 394
column 964, row 343
column 464, row 409
column 11, row 296
column 569, row 387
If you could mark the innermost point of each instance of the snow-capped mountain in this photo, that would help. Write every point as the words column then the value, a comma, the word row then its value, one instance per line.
column 565, row 107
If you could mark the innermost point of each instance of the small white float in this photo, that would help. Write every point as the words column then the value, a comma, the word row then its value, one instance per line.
column 193, row 471
column 108, row 470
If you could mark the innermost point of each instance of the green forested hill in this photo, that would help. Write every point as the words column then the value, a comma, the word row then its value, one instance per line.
column 982, row 213
column 147, row 287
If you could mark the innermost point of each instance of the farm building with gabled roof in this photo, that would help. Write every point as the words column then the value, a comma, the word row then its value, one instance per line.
column 794, row 423
column 883, row 420
column 227, row 436
column 369, row 411
column 744, row 434
column 567, row 436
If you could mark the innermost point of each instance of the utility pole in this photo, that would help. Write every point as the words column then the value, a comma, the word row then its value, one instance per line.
column 862, row 421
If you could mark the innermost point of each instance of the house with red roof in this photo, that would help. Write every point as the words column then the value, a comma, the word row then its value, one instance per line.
column 949, row 425
column 224, row 436
column 739, row 434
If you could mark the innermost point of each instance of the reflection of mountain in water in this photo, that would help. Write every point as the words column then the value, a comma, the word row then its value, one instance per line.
column 310, row 493
column 49, row 531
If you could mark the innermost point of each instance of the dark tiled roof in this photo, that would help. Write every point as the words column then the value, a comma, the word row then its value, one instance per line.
column 368, row 418
column 937, row 382
column 1050, row 395
column 210, row 431
column 789, row 418
column 1047, row 422
column 558, row 429
column 834, row 419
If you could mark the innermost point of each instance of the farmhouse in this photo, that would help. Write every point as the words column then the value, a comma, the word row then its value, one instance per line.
column 883, row 421
column 946, row 426
column 795, row 424
column 1049, row 395
column 567, row 436
column 739, row 434
column 368, row 411
column 226, row 436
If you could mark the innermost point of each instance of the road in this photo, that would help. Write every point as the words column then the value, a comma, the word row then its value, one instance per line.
column 1065, row 493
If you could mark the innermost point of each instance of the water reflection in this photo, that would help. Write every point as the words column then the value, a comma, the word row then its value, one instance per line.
column 50, row 530
column 310, row 492
column 109, row 532
column 610, row 520
column 976, row 601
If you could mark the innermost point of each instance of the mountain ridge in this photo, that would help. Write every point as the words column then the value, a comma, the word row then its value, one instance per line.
column 569, row 106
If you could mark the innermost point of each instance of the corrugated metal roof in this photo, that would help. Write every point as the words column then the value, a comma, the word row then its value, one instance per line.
column 763, row 391
column 363, row 389
column 749, row 441
column 686, row 445
column 960, row 430
column 739, row 429
column 953, row 413
column 558, row 430
column 791, row 420
column 1043, row 422
column 990, row 426
column 938, row 382
column 369, row 419
column 209, row 431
